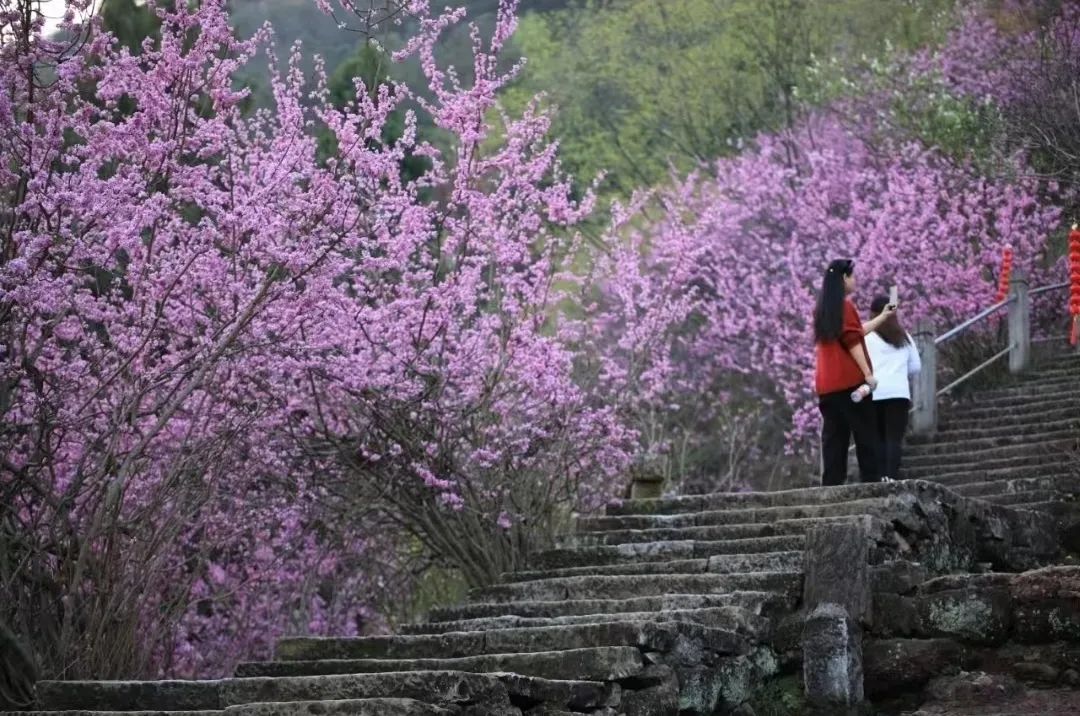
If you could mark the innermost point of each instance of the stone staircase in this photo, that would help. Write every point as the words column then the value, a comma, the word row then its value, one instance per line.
column 1017, row 445
column 667, row 606
column 690, row 605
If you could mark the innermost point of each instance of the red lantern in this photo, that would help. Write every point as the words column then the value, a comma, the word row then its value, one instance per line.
column 1006, row 275
column 1074, row 281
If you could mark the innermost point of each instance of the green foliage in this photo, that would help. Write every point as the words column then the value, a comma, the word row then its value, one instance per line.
column 917, row 106
column 651, row 84
column 130, row 23
column 366, row 70
column 782, row 696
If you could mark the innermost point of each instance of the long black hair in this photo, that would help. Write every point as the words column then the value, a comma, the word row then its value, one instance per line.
column 829, row 311
column 890, row 330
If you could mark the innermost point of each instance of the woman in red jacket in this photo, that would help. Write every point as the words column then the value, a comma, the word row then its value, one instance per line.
column 843, row 365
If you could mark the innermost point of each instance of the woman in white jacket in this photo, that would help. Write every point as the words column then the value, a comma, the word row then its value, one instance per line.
column 895, row 359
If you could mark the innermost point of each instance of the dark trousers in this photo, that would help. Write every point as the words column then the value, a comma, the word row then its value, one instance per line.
column 842, row 417
column 892, row 417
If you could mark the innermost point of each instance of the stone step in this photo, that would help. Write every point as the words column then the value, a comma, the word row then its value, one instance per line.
column 651, row 635
column 628, row 586
column 343, row 707
column 960, row 422
column 952, row 445
column 1066, row 483
column 1050, row 456
column 738, row 515
column 1034, row 387
column 733, row 500
column 1018, row 407
column 1017, row 499
column 605, row 663
column 757, row 601
column 715, row 532
column 662, row 551
column 444, row 688
column 1051, row 371
column 719, row 564
column 998, row 428
column 979, row 474
column 732, row 618
column 1062, row 509
column 1024, row 452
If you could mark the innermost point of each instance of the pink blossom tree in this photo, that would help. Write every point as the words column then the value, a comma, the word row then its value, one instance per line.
column 213, row 341
column 731, row 268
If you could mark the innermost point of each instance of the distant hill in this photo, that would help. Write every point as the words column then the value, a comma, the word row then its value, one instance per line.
column 301, row 20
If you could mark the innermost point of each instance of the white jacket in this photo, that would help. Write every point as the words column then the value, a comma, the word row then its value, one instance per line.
column 892, row 366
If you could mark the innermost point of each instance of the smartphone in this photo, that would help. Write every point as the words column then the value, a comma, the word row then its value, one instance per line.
column 894, row 296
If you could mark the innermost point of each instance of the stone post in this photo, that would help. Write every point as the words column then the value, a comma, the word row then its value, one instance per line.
column 1019, row 324
column 924, row 394
column 836, row 563
column 832, row 660
column 837, row 602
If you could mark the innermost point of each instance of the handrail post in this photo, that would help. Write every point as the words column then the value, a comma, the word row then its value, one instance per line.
column 924, row 420
column 1019, row 324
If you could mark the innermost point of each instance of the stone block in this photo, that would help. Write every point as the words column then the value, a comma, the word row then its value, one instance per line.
column 832, row 657
column 972, row 614
column 654, row 692
column 898, row 576
column 892, row 666
column 895, row 615
column 1047, row 621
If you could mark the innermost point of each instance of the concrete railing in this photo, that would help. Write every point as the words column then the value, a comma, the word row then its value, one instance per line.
column 925, row 392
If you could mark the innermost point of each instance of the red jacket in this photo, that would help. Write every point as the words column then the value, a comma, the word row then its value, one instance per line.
column 836, row 369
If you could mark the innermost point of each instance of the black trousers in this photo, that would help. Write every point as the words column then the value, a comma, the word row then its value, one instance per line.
column 892, row 418
column 842, row 417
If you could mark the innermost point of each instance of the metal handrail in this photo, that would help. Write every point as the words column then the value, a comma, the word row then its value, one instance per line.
column 1052, row 287
column 953, row 332
column 996, row 357
column 925, row 399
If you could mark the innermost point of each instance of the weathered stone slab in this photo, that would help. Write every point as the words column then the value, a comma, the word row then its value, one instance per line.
column 739, row 531
column 677, row 566
column 717, row 564
column 757, row 601
column 661, row 551
column 440, row 687
column 736, row 515
column 352, row 707
column 595, row 664
column 737, row 619
column 164, row 695
column 433, row 686
column 625, row 587
column 650, row 635
column 716, row 500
